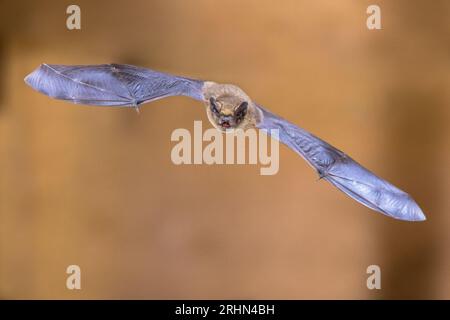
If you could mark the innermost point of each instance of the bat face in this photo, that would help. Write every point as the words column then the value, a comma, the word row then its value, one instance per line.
column 228, row 107
column 227, row 112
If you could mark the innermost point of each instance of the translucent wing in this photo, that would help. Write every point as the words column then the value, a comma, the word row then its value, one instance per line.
column 110, row 84
column 343, row 172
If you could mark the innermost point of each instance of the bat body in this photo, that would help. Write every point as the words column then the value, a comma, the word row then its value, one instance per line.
column 228, row 108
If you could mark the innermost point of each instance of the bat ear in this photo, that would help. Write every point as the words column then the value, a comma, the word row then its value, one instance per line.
column 242, row 109
column 213, row 105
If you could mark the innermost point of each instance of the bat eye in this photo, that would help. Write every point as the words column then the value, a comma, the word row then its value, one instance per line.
column 213, row 106
column 241, row 111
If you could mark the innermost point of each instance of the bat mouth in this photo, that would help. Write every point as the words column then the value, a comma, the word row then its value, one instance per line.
column 225, row 124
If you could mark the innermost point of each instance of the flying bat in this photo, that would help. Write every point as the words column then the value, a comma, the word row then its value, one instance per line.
column 227, row 108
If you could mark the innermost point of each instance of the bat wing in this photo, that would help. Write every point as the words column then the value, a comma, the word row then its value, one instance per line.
column 343, row 172
column 110, row 84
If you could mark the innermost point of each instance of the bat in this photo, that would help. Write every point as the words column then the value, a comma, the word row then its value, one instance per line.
column 228, row 108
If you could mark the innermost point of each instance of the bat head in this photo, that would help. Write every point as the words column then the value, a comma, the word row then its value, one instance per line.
column 228, row 107
column 227, row 111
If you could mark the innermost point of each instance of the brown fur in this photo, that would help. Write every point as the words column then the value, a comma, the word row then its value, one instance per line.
column 228, row 97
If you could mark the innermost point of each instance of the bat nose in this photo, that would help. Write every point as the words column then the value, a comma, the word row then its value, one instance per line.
column 226, row 118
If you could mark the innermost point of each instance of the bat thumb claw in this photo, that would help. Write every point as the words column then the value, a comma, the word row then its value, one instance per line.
column 321, row 175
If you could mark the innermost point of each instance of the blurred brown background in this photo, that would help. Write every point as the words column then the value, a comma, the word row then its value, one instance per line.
column 96, row 187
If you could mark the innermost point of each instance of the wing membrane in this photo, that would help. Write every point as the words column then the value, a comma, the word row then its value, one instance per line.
column 110, row 84
column 343, row 172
